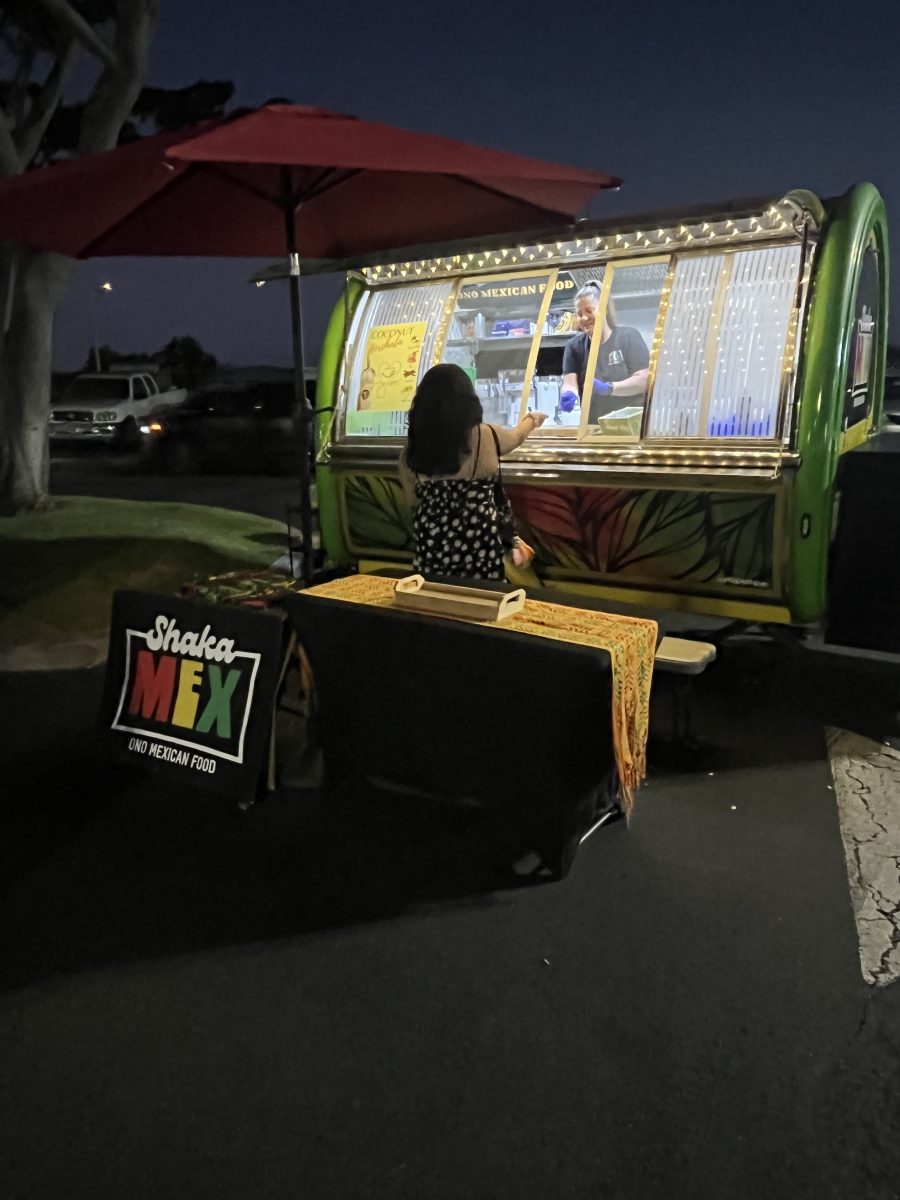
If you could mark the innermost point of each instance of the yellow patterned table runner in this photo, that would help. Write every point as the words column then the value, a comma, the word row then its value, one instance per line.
column 629, row 641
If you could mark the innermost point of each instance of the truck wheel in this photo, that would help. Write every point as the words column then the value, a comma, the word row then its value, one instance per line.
column 127, row 438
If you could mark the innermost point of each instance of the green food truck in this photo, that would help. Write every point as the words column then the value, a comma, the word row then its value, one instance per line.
column 711, row 483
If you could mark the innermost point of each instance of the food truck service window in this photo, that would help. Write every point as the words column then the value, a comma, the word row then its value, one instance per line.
column 392, row 343
column 492, row 337
column 723, row 355
column 609, row 360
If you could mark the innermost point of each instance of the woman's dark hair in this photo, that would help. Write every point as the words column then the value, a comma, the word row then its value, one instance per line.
column 444, row 411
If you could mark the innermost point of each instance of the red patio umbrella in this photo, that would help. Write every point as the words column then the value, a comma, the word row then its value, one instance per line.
column 287, row 179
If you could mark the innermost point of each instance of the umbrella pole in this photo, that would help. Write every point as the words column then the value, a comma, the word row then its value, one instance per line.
column 306, row 414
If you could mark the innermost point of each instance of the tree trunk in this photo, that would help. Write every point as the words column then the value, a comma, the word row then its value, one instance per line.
column 9, row 258
column 34, row 284
column 25, row 374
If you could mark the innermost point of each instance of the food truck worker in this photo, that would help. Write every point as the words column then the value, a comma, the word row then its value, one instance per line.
column 622, row 362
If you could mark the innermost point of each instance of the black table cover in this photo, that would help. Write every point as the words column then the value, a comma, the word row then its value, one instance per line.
column 520, row 723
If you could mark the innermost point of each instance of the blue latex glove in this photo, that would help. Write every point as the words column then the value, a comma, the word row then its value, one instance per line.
column 602, row 388
column 567, row 402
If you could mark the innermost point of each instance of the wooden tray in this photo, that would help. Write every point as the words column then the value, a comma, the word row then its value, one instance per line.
column 447, row 600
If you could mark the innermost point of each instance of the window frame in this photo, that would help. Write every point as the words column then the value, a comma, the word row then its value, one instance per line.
column 588, row 439
column 790, row 355
column 552, row 274
column 572, row 437
column 352, row 348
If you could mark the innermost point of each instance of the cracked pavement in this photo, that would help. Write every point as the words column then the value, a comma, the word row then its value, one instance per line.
column 867, row 788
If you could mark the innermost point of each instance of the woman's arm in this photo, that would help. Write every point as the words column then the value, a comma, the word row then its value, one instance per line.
column 509, row 439
column 637, row 360
column 634, row 385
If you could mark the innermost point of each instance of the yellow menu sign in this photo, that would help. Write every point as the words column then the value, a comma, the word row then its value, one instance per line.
column 388, row 379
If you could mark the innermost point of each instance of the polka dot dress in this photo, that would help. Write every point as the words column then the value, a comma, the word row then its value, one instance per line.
column 457, row 529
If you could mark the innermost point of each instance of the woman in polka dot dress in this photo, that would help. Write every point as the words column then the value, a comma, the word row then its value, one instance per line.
column 449, row 470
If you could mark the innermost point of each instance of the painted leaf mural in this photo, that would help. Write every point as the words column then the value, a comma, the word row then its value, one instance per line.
column 650, row 536
column 378, row 516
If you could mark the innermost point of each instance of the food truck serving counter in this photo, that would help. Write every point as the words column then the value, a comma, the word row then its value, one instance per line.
column 701, row 376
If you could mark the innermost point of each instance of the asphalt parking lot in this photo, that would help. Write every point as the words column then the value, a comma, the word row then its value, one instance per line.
column 200, row 1001
column 96, row 471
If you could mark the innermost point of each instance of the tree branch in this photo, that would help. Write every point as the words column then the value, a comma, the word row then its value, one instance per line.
column 63, row 12
column 17, row 103
column 117, row 89
column 10, row 162
column 29, row 136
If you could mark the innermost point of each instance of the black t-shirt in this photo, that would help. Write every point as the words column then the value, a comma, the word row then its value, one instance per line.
column 623, row 353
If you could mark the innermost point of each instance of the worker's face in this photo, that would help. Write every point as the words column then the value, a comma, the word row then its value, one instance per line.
column 586, row 314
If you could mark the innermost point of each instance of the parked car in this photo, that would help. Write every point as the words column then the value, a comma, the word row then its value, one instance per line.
column 109, row 409
column 244, row 427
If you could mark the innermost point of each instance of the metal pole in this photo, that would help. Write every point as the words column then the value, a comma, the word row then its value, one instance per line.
column 306, row 415
column 93, row 312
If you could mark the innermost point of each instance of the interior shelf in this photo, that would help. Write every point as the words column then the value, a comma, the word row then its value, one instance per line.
column 503, row 343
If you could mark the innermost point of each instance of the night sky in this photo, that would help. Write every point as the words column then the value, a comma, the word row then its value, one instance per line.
column 699, row 101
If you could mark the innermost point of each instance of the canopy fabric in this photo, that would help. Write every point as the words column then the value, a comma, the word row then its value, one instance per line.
column 223, row 189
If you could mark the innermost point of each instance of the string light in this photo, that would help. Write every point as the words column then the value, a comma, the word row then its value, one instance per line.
column 772, row 222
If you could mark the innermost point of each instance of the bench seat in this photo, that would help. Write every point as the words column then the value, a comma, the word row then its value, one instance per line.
column 682, row 656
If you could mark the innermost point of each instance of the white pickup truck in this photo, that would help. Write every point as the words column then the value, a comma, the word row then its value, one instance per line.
column 109, row 408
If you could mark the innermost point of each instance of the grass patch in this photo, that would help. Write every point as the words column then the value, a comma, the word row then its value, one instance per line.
column 60, row 567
